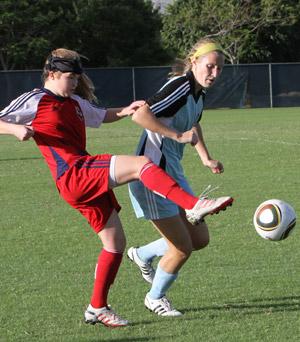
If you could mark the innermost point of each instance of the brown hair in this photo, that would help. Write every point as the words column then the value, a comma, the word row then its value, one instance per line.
column 85, row 87
column 182, row 66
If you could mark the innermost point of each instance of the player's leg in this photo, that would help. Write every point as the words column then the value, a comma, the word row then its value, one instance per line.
column 143, row 256
column 85, row 187
column 129, row 168
column 150, row 206
column 109, row 260
column 179, row 249
column 124, row 169
column 199, row 233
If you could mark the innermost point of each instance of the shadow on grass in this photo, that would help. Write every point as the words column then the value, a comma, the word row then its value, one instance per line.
column 254, row 306
column 130, row 339
column 17, row 159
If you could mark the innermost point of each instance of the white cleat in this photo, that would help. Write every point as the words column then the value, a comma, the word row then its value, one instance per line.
column 105, row 316
column 161, row 306
column 146, row 269
column 206, row 206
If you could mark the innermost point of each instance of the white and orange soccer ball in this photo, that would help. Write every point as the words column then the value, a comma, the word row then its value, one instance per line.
column 274, row 220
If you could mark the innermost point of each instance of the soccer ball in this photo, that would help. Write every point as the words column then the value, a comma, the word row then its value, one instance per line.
column 274, row 220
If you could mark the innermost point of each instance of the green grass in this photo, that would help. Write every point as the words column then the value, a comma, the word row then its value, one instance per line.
column 240, row 288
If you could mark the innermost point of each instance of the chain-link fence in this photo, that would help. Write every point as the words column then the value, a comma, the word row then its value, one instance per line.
column 239, row 86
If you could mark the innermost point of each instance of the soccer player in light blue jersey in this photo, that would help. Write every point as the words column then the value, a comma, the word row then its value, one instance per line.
column 179, row 105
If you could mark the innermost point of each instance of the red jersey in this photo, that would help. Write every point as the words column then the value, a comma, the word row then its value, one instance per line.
column 59, row 124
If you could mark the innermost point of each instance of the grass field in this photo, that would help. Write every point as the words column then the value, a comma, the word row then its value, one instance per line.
column 240, row 288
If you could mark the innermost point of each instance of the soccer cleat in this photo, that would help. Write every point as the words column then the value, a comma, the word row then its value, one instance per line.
column 206, row 206
column 161, row 306
column 146, row 269
column 105, row 316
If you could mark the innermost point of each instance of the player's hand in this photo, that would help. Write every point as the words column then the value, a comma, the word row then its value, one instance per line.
column 187, row 137
column 215, row 166
column 129, row 110
column 23, row 132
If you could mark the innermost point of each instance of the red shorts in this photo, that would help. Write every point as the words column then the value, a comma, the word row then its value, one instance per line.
column 85, row 187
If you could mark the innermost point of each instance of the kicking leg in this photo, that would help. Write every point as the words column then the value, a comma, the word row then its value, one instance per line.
column 128, row 168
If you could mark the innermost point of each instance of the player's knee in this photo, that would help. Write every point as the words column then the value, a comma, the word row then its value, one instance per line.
column 116, row 245
column 183, row 252
column 144, row 160
column 201, row 243
column 141, row 162
column 201, row 240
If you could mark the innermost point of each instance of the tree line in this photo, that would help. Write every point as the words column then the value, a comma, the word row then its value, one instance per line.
column 116, row 33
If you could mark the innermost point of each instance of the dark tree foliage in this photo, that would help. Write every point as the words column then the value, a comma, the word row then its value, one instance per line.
column 29, row 30
column 108, row 32
column 250, row 31
column 120, row 33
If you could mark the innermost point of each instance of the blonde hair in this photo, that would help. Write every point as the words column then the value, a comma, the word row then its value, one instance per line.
column 182, row 66
column 85, row 87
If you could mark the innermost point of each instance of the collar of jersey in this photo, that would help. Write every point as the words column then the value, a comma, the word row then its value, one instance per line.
column 57, row 97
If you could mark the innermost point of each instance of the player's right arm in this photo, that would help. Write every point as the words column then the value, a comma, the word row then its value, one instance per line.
column 21, row 132
column 145, row 118
column 17, row 117
column 157, row 113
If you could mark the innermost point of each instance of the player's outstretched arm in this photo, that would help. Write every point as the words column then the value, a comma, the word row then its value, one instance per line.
column 21, row 132
column 146, row 119
column 114, row 114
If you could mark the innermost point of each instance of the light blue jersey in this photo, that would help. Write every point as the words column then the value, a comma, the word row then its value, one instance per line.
column 177, row 106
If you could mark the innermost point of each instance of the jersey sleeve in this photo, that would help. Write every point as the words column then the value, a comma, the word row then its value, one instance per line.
column 169, row 99
column 23, row 109
column 93, row 115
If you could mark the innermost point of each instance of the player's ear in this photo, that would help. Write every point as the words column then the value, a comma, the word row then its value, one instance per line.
column 193, row 61
column 54, row 75
column 51, row 75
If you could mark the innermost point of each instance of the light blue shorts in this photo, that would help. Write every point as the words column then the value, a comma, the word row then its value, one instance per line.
column 151, row 206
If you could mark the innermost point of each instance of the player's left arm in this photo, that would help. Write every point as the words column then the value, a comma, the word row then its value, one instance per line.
column 215, row 165
column 115, row 114
column 94, row 115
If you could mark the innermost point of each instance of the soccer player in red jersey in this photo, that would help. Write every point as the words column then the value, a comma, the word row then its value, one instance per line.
column 55, row 117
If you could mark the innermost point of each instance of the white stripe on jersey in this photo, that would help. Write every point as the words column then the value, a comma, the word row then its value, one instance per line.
column 18, row 102
column 152, row 205
column 167, row 101
column 169, row 81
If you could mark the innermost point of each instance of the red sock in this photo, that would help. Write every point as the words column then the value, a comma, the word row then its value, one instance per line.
column 157, row 180
column 105, row 274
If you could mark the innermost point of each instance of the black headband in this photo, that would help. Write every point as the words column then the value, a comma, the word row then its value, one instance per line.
column 64, row 65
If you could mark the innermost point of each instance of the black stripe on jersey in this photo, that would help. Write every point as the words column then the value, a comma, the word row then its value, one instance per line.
column 203, row 94
column 170, row 98
column 163, row 160
column 142, row 151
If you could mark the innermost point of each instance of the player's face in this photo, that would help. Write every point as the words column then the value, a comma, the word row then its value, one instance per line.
column 206, row 69
column 66, row 83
